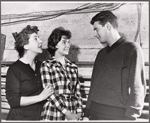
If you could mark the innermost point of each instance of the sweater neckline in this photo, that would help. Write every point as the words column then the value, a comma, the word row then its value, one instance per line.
column 116, row 44
column 28, row 65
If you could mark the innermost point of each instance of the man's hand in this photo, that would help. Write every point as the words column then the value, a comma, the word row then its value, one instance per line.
column 85, row 119
column 131, row 115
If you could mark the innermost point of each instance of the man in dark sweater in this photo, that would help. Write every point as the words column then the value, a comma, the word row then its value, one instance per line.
column 118, row 85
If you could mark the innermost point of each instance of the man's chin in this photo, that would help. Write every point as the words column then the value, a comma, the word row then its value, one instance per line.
column 103, row 42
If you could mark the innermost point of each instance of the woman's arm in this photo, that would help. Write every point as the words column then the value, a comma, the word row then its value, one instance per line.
column 38, row 98
column 13, row 91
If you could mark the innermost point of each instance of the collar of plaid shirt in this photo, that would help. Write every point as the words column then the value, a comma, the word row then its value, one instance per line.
column 68, row 64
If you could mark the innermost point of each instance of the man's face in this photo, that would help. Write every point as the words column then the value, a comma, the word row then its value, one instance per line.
column 100, row 32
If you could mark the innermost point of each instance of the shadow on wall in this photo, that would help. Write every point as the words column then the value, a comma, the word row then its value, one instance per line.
column 73, row 54
column 43, row 56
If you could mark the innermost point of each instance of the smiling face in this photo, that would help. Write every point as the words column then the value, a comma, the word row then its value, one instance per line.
column 35, row 44
column 101, row 32
column 63, row 46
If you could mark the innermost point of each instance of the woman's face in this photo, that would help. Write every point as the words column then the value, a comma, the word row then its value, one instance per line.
column 63, row 46
column 35, row 44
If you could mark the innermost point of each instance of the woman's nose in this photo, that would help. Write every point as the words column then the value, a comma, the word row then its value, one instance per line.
column 40, row 41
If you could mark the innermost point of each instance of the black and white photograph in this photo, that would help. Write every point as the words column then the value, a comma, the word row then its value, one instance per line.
column 75, row 61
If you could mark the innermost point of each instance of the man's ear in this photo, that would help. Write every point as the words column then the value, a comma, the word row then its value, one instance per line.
column 26, row 46
column 108, row 25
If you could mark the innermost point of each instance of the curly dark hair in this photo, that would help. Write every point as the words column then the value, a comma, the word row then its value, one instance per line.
column 55, row 37
column 105, row 16
column 22, row 38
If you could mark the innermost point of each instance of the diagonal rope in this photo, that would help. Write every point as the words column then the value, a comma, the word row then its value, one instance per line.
column 83, row 8
column 139, row 23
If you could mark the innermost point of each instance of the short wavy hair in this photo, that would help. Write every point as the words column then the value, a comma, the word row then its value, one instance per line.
column 55, row 37
column 105, row 16
column 22, row 38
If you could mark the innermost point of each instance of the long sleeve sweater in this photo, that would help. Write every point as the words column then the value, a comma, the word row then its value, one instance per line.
column 118, row 78
column 22, row 80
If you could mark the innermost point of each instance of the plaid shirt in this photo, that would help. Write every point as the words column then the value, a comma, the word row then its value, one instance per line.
column 66, row 85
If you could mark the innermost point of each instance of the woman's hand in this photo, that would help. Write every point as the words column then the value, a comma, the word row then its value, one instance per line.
column 38, row 98
column 71, row 116
column 48, row 90
column 79, row 116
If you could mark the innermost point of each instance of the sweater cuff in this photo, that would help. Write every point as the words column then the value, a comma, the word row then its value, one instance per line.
column 15, row 103
column 133, row 112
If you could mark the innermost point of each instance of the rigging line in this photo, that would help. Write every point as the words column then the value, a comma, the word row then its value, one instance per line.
column 39, row 17
column 83, row 5
column 13, row 16
column 104, row 6
column 91, row 6
column 139, row 20
column 45, row 18
column 111, row 9
column 140, row 26
column 35, row 19
column 97, row 5
column 28, row 14
column 77, row 9
column 114, row 7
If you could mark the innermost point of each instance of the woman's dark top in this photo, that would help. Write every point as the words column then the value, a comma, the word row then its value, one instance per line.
column 22, row 80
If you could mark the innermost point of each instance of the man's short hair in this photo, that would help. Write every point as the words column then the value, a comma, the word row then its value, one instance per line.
column 105, row 16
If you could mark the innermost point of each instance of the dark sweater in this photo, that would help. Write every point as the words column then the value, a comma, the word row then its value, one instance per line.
column 22, row 80
column 116, row 69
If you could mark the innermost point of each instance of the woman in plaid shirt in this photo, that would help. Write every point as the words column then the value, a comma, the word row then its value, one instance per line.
column 66, row 102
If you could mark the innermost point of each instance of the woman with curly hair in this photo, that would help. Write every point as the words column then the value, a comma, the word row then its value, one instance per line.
column 24, row 90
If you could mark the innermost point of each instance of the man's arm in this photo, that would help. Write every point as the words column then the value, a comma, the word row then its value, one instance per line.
column 137, row 84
